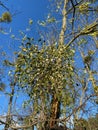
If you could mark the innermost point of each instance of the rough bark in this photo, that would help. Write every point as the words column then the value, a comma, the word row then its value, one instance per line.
column 9, row 118
column 55, row 104
column 55, row 111
column 63, row 28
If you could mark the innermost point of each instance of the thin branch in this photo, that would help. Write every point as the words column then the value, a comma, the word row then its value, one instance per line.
column 4, row 6
column 4, row 123
column 87, row 30
column 76, row 109
column 75, row 6
column 73, row 17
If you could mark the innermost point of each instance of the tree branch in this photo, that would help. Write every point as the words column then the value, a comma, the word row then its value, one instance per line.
column 87, row 30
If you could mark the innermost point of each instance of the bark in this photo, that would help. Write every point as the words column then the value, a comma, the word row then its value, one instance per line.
column 55, row 111
column 55, row 104
column 63, row 28
column 9, row 118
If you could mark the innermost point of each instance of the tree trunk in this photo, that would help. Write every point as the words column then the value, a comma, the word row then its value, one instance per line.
column 55, row 111
column 63, row 28
column 9, row 118
column 55, row 104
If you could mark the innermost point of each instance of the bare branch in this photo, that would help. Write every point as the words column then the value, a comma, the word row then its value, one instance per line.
column 87, row 30
column 4, row 6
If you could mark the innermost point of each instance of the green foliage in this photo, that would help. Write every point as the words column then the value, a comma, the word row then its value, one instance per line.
column 93, row 122
column 49, row 20
column 90, row 123
column 30, row 22
column 7, row 63
column 45, row 70
column 84, row 6
column 6, row 17
column 2, row 86
column 81, row 124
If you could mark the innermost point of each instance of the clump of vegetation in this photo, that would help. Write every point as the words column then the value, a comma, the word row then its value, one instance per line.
column 6, row 17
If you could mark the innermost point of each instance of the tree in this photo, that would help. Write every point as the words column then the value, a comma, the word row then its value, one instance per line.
column 6, row 17
column 89, row 124
column 93, row 122
column 45, row 71
column 57, row 87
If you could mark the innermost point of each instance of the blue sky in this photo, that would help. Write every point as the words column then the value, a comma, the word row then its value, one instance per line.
column 22, row 11
column 34, row 9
